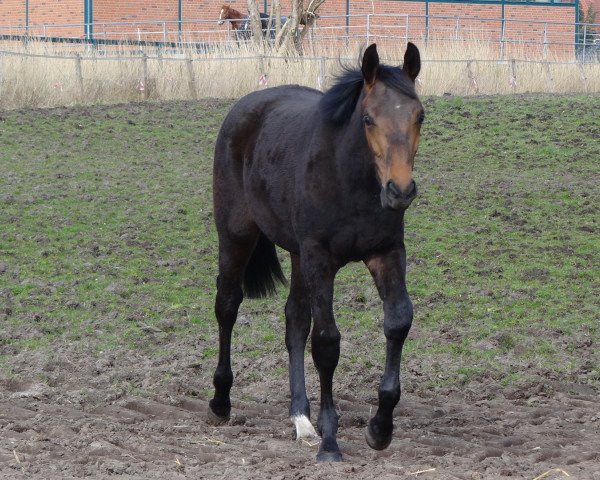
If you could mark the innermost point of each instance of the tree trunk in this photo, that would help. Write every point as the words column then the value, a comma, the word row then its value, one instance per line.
column 310, row 16
column 255, row 23
column 276, row 5
column 288, row 37
column 288, row 40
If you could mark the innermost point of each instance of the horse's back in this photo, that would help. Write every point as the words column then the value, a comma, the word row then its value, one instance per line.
column 273, row 109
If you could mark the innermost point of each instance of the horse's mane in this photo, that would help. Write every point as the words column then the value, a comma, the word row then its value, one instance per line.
column 229, row 8
column 339, row 101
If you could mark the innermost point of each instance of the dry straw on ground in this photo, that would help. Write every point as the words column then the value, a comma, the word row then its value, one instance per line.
column 39, row 76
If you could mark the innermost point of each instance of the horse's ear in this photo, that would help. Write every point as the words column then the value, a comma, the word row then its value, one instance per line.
column 370, row 63
column 412, row 61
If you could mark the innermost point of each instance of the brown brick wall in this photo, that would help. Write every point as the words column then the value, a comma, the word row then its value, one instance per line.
column 134, row 10
column 12, row 13
column 56, row 12
column 42, row 14
column 198, row 16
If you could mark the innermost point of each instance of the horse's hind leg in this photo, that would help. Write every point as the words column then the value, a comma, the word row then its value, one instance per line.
column 297, row 328
column 233, row 257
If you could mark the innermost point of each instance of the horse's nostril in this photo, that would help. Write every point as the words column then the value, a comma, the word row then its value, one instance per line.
column 393, row 189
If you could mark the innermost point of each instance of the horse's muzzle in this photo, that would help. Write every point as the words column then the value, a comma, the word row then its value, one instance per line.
column 394, row 198
column 220, row 22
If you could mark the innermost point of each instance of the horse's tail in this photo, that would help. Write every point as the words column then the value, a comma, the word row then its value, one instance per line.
column 263, row 271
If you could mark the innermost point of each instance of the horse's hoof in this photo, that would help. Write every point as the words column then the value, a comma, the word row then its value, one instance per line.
column 377, row 443
column 217, row 415
column 325, row 456
column 304, row 428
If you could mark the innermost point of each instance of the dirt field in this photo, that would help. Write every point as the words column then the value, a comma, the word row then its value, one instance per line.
column 75, row 427
column 107, row 338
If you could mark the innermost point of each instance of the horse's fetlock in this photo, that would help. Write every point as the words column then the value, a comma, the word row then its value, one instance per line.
column 223, row 379
column 389, row 396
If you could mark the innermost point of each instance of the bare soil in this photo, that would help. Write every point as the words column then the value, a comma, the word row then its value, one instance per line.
column 78, row 425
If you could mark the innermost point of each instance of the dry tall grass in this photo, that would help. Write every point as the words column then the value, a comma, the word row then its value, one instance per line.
column 39, row 77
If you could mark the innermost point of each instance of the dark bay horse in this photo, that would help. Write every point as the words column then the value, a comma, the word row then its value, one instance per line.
column 241, row 24
column 328, row 178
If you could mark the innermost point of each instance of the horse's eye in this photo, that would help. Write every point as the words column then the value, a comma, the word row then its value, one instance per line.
column 421, row 118
column 368, row 121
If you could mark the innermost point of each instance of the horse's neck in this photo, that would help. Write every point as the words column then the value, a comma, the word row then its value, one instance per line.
column 234, row 14
column 237, row 19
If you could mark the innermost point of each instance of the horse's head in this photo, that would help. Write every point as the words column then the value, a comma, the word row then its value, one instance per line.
column 392, row 116
column 225, row 14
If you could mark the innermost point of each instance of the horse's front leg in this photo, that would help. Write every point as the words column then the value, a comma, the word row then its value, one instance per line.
column 319, row 269
column 389, row 273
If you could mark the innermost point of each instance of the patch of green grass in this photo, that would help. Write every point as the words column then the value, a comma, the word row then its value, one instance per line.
column 511, row 378
column 106, row 232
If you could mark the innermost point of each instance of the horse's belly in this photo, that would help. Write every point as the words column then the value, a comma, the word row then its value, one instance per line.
column 270, row 204
column 277, row 229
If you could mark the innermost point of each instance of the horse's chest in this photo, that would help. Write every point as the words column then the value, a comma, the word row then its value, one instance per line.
column 355, row 240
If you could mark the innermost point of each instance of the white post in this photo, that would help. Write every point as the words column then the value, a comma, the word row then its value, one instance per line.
column 457, row 28
column 502, row 41
column 545, row 50
column 584, row 40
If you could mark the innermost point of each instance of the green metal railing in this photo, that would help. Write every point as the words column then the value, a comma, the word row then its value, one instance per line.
column 88, row 12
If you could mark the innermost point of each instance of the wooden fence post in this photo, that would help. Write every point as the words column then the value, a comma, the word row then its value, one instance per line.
column 549, row 75
column 145, row 87
column 582, row 74
column 191, row 80
column 471, row 77
column 322, row 83
column 79, row 77
column 513, row 75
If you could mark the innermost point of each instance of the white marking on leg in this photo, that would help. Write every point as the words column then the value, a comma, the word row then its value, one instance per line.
column 304, row 428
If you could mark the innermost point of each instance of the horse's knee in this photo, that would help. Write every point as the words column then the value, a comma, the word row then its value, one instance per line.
column 398, row 319
column 326, row 347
